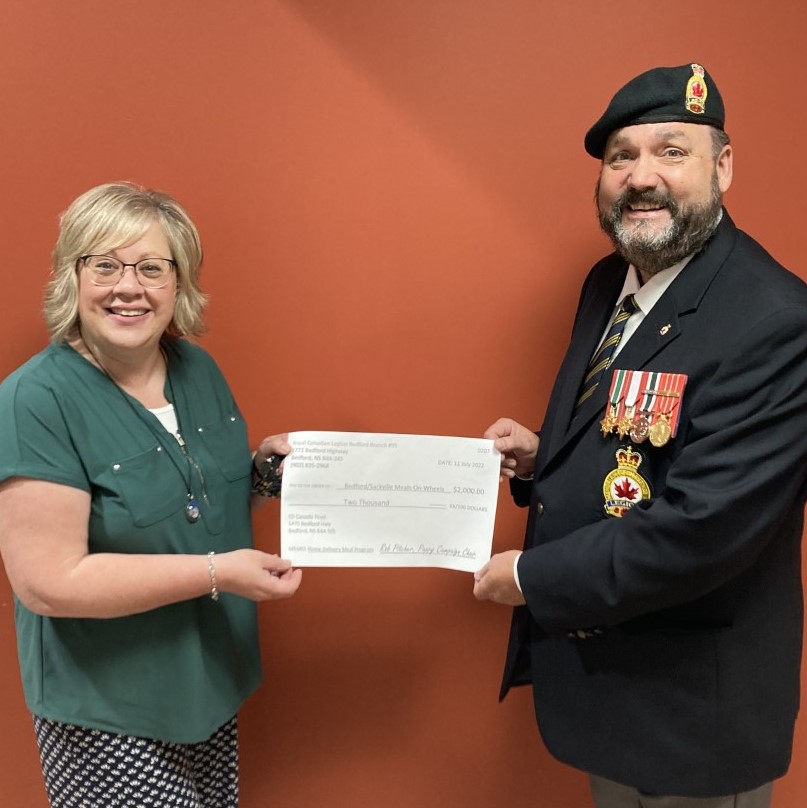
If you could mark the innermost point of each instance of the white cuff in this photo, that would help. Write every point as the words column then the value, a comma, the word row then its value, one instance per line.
column 515, row 573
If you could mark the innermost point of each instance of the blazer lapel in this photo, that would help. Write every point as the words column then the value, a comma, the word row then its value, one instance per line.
column 592, row 320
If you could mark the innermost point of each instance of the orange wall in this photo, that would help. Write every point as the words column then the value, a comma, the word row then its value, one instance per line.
column 397, row 215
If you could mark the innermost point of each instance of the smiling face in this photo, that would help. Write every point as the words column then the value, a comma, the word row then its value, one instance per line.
column 124, row 322
column 660, row 192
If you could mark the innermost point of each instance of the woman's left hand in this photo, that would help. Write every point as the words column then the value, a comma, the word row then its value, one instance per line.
column 272, row 445
column 256, row 575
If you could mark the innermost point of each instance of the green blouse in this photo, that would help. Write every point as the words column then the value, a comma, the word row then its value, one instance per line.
column 178, row 672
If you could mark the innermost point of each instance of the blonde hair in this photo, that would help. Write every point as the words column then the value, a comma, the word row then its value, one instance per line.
column 115, row 215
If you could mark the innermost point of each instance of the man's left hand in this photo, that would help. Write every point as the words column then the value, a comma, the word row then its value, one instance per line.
column 495, row 581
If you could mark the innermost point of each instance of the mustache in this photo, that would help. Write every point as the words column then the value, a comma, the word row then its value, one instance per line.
column 647, row 196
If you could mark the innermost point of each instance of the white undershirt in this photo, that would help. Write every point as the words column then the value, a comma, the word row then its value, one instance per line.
column 167, row 417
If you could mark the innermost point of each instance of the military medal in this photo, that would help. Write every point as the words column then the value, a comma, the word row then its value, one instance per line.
column 609, row 422
column 625, row 423
column 659, row 431
column 614, row 397
column 640, row 429
column 668, row 390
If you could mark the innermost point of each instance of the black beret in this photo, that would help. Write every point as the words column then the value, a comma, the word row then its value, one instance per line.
column 686, row 93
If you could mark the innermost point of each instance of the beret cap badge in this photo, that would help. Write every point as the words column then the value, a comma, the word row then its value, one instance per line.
column 696, row 91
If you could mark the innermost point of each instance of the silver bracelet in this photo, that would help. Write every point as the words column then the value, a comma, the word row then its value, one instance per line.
column 211, row 569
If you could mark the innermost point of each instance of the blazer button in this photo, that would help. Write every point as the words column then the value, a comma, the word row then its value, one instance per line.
column 539, row 508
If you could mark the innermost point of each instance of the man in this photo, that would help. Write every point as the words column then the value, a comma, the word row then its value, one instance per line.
column 658, row 596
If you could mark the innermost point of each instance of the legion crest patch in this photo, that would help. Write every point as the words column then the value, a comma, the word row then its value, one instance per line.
column 624, row 486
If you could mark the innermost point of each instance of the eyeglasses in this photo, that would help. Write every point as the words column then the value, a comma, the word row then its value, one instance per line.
column 152, row 273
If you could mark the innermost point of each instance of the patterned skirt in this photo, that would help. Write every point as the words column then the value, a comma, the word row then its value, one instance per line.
column 88, row 768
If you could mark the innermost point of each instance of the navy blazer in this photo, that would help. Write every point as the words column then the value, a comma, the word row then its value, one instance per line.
column 664, row 647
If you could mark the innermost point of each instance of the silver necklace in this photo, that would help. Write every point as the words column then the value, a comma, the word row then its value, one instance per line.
column 192, row 509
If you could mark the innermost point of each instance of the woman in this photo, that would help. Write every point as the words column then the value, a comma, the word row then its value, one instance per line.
column 125, row 519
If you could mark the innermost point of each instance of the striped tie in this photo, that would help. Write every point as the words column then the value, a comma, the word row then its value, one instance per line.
column 605, row 353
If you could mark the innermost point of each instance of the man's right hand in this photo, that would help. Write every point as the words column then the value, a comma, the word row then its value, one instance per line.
column 518, row 446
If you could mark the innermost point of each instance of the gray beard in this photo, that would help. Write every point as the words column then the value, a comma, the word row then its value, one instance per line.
column 650, row 252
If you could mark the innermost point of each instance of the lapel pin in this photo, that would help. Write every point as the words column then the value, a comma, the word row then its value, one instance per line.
column 664, row 329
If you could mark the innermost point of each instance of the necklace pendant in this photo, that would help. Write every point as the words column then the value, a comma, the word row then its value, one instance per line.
column 192, row 511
